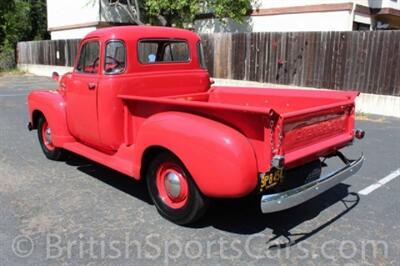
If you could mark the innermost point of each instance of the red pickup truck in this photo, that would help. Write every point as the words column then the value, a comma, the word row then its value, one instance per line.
column 140, row 101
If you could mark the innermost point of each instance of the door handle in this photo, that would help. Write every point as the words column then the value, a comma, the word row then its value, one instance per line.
column 91, row 86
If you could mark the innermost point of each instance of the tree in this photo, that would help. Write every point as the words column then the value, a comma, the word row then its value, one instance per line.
column 179, row 12
column 38, row 20
column 16, row 23
column 133, row 8
column 20, row 20
column 4, row 7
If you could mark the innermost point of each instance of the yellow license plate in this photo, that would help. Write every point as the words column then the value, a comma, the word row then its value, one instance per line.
column 270, row 179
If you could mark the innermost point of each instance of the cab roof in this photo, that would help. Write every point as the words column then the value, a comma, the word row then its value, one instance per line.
column 142, row 32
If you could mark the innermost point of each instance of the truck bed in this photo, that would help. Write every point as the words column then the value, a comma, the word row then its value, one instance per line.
column 306, row 123
column 285, row 102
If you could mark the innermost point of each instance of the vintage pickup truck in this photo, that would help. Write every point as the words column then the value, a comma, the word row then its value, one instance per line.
column 140, row 101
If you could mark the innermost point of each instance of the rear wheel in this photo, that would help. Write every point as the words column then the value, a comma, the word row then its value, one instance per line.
column 45, row 140
column 173, row 190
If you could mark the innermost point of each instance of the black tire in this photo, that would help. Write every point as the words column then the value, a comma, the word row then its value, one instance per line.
column 194, row 207
column 55, row 154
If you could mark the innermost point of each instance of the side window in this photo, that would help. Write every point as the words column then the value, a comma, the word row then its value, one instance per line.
column 89, row 58
column 163, row 51
column 115, row 60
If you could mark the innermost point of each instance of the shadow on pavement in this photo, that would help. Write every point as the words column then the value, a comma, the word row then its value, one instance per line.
column 243, row 216
column 240, row 216
column 110, row 177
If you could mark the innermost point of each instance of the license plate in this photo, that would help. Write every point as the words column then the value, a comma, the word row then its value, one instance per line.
column 270, row 179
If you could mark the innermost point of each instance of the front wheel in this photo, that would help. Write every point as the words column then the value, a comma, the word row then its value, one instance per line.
column 45, row 140
column 173, row 190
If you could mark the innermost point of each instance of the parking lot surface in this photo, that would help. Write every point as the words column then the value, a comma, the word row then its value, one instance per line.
column 79, row 212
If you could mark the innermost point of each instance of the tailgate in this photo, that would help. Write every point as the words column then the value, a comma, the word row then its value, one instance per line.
column 310, row 133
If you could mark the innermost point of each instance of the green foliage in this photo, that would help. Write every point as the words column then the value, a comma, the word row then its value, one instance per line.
column 15, row 25
column 38, row 20
column 179, row 12
column 7, row 59
column 20, row 20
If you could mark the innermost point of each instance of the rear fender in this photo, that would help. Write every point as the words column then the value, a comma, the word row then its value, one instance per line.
column 220, row 159
column 52, row 105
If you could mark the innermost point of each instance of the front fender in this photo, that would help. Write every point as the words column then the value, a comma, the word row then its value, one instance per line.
column 52, row 105
column 220, row 159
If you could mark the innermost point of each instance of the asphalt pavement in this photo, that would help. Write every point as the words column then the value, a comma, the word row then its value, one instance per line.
column 79, row 212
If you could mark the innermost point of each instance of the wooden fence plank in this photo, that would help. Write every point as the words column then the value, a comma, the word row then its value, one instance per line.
column 361, row 42
column 394, row 64
column 396, row 69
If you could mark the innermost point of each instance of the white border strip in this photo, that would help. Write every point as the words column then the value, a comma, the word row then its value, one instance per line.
column 44, row 70
column 380, row 183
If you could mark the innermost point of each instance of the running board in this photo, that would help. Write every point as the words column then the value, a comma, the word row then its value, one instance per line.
column 122, row 161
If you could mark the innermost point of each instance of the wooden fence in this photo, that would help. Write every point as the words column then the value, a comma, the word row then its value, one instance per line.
column 368, row 61
column 56, row 53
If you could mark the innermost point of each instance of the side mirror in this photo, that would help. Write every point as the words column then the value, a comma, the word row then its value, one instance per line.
column 55, row 76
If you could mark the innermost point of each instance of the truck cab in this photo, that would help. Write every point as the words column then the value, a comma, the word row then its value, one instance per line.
column 139, row 100
column 128, row 61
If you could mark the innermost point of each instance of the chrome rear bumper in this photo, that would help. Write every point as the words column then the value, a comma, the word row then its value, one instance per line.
column 287, row 199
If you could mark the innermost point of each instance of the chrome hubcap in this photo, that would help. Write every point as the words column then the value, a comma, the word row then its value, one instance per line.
column 173, row 185
column 47, row 135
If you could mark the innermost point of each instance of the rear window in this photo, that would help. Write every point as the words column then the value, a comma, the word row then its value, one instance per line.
column 163, row 51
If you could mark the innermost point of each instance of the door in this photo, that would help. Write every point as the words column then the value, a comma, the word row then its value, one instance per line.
column 82, row 95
